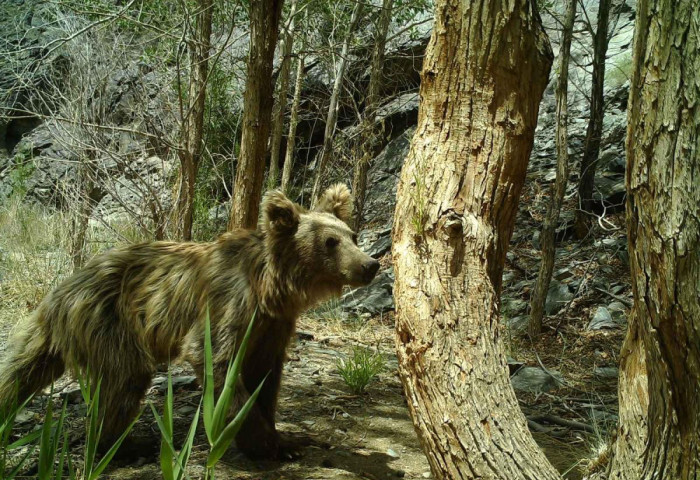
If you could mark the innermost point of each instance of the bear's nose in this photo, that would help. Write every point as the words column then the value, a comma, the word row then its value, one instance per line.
column 370, row 269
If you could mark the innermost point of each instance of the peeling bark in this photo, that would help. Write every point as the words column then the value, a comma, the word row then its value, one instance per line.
column 485, row 70
column 663, row 227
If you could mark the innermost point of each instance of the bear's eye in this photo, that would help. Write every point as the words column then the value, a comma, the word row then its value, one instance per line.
column 332, row 242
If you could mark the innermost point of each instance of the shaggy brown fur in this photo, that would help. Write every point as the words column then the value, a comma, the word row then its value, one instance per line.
column 134, row 307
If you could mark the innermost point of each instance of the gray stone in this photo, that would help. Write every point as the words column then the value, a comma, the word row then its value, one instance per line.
column 558, row 296
column 374, row 299
column 534, row 380
column 602, row 319
column 606, row 372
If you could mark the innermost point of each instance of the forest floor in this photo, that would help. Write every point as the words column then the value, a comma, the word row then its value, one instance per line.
column 371, row 436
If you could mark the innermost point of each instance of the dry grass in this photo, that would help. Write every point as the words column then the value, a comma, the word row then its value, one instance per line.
column 34, row 253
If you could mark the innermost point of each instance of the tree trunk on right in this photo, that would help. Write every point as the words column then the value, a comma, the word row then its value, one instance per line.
column 547, row 239
column 663, row 227
column 484, row 73
column 594, row 131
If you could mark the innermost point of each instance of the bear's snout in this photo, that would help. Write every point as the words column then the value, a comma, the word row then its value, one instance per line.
column 369, row 270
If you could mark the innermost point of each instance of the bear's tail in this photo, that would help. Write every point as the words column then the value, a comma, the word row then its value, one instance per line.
column 29, row 365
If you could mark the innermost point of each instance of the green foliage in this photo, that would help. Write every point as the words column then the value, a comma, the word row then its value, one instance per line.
column 359, row 370
column 51, row 461
column 173, row 464
column 215, row 411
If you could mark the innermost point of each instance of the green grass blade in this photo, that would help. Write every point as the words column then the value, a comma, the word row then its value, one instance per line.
column 62, row 458
column 208, row 400
column 226, row 438
column 92, row 429
column 168, row 441
column 27, row 439
column 166, row 455
column 184, row 455
column 104, row 461
column 46, row 460
column 224, row 402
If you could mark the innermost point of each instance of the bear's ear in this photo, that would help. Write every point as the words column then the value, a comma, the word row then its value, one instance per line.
column 280, row 214
column 337, row 201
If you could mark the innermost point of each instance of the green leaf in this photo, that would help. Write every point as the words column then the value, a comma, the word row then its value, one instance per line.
column 224, row 441
column 113, row 450
column 224, row 402
column 184, row 456
column 166, row 455
column 27, row 439
column 208, row 400
column 45, row 457
column 168, row 441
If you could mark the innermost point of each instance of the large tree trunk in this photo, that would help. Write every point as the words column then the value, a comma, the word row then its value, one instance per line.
column 293, row 122
column 485, row 70
column 193, row 119
column 257, row 112
column 332, row 118
column 281, row 102
column 370, row 129
column 663, row 227
column 551, row 221
column 595, row 124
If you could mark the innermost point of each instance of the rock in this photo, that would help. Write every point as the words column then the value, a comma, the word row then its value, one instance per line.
column 185, row 382
column 558, row 296
column 513, row 365
column 606, row 372
column 374, row 299
column 392, row 453
column 380, row 247
column 602, row 319
column 534, row 380
column 518, row 325
column 618, row 312
column 73, row 394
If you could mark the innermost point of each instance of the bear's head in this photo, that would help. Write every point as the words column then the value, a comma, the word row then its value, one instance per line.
column 319, row 244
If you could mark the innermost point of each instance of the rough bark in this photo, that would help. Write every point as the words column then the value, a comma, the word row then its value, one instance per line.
column 370, row 129
column 281, row 102
column 485, row 70
column 293, row 122
column 332, row 117
column 192, row 131
column 551, row 220
column 595, row 124
column 663, row 227
column 257, row 112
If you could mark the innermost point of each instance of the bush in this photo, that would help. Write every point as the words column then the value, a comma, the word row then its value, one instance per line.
column 359, row 370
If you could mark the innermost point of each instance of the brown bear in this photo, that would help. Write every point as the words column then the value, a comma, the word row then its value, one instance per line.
column 134, row 307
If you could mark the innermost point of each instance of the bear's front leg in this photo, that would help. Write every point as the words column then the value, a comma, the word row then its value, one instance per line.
column 258, row 437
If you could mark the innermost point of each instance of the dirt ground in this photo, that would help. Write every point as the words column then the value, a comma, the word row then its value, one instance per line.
column 366, row 436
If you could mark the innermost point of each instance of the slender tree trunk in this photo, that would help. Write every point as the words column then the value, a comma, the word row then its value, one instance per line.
column 193, row 122
column 370, row 130
column 88, row 198
column 663, row 227
column 551, row 221
column 257, row 112
column 293, row 122
column 484, row 73
column 595, row 124
column 281, row 103
column 332, row 118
